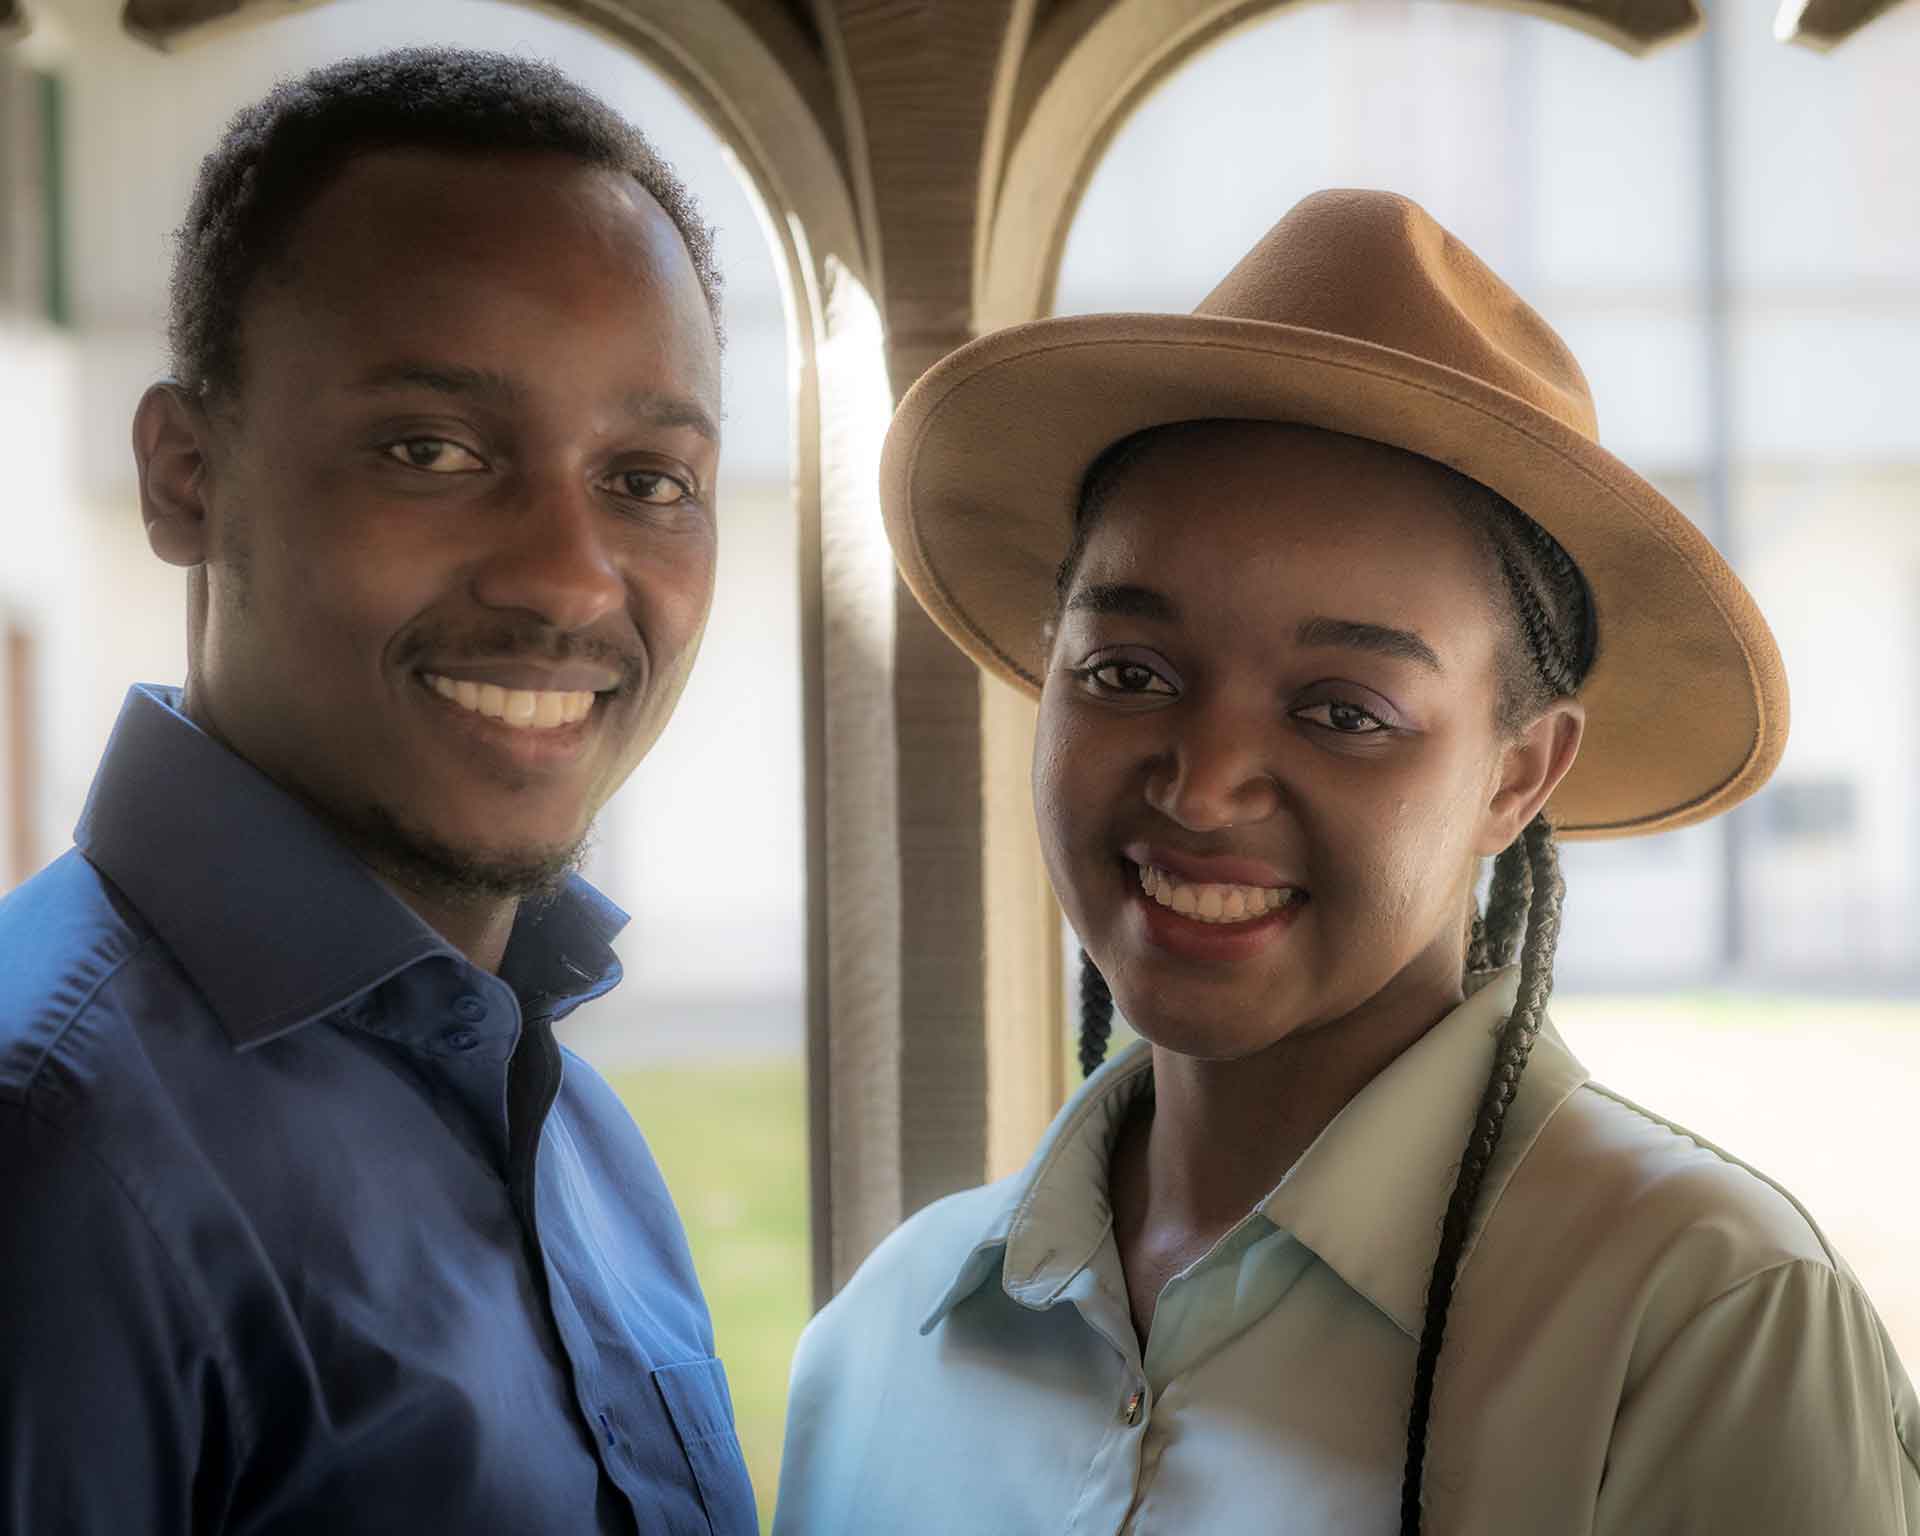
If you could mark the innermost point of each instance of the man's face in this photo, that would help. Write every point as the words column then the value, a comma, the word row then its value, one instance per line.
column 460, row 517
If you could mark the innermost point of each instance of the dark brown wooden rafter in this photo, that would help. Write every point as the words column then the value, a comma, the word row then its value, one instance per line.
column 800, row 13
column 1823, row 24
column 160, row 21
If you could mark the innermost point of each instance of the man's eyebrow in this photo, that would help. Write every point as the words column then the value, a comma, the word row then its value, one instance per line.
column 1381, row 639
column 659, row 410
column 1125, row 600
column 496, row 388
column 443, row 379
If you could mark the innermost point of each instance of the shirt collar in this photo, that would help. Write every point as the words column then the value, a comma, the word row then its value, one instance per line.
column 267, row 911
column 1367, row 1196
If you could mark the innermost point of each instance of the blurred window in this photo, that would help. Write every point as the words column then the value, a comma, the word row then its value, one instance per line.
column 34, row 271
column 19, row 854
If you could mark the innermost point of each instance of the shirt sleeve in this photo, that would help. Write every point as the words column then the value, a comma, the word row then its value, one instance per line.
column 112, row 1415
column 1780, row 1408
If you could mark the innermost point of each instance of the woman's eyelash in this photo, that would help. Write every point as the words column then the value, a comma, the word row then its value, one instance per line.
column 1335, row 707
column 1146, row 676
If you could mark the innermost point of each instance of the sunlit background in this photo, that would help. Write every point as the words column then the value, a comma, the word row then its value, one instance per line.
column 1729, row 238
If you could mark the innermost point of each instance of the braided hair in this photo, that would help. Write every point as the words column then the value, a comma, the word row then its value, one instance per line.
column 1548, row 651
column 1555, row 615
column 1096, row 1015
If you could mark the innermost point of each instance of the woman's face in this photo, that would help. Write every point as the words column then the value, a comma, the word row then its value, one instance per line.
column 1268, row 757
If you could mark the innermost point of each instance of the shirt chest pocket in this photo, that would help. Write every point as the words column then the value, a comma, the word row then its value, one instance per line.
column 702, row 1412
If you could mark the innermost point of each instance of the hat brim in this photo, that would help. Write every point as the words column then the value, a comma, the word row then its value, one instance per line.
column 1687, row 700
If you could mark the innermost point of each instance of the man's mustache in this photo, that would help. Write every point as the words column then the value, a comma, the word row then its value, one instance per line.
column 507, row 641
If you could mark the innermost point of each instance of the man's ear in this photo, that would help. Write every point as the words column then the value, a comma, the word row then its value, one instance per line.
column 1531, row 768
column 171, row 440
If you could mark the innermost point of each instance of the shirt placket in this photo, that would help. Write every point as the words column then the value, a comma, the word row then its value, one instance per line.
column 1112, row 1481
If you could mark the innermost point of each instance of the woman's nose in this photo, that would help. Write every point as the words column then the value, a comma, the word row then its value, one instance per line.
column 1215, row 773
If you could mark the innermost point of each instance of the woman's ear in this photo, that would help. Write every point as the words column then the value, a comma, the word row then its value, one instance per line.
column 170, row 451
column 1531, row 768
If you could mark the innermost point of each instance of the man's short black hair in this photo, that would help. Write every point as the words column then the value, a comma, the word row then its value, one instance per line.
column 278, row 154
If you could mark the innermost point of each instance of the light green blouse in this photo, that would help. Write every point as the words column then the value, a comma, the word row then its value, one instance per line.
column 1647, row 1337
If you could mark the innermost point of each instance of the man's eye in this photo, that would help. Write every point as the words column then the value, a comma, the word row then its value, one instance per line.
column 653, row 486
column 436, row 455
column 1346, row 719
column 1127, row 677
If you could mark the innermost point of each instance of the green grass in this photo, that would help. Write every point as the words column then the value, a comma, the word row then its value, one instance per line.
column 731, row 1139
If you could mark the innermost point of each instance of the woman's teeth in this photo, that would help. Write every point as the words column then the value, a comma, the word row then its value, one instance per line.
column 522, row 708
column 1214, row 903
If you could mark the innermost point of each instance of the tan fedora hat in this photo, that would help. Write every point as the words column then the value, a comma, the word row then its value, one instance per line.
column 1360, row 314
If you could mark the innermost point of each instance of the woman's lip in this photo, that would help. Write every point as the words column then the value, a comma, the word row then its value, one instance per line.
column 1196, row 869
column 1211, row 943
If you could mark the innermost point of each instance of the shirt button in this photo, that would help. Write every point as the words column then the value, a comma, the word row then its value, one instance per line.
column 461, row 1039
column 470, row 1008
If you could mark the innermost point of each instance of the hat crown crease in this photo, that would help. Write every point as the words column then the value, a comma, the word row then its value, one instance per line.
column 1379, row 268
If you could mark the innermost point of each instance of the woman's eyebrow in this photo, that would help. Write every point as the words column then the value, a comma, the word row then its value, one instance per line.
column 1381, row 639
column 1125, row 600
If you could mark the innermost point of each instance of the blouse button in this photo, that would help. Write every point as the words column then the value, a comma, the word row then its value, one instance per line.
column 461, row 1039
column 470, row 1008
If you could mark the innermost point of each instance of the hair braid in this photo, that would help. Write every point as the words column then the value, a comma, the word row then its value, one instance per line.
column 1553, row 612
column 1497, row 935
column 1096, row 1015
column 1542, row 864
column 1549, row 656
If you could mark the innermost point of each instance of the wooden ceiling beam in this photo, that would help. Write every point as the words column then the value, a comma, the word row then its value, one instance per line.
column 1824, row 24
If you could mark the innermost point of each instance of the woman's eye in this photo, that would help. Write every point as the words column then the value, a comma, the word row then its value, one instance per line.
column 1346, row 719
column 436, row 455
column 1127, row 677
column 653, row 486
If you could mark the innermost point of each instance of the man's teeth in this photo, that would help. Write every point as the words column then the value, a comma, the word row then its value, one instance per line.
column 524, row 708
column 1214, row 903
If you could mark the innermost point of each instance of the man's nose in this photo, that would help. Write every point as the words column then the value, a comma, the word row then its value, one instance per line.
column 554, row 556
column 1215, row 771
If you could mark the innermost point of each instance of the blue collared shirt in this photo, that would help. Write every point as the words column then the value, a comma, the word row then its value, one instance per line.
column 306, row 1223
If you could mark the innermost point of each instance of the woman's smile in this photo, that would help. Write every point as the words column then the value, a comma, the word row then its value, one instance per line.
column 1209, row 921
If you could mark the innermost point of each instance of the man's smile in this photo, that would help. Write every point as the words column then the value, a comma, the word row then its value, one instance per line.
column 500, row 723
column 536, row 709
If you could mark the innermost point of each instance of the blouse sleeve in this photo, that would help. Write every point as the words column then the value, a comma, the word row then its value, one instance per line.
column 1780, row 1408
